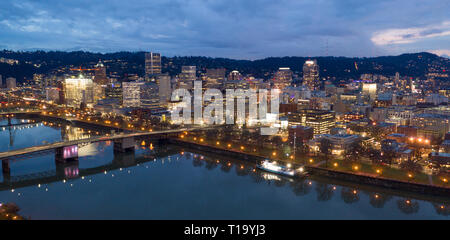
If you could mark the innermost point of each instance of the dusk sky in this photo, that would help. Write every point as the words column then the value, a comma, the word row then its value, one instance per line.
column 229, row 28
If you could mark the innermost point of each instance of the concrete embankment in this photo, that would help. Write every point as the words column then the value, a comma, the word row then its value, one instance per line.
column 345, row 176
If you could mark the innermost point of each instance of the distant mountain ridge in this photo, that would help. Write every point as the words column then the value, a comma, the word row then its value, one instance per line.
column 410, row 64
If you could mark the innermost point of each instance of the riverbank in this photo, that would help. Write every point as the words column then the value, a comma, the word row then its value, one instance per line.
column 330, row 173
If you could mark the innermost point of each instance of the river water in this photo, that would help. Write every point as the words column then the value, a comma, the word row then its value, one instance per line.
column 171, row 182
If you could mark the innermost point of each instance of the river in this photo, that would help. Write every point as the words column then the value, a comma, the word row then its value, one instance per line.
column 171, row 182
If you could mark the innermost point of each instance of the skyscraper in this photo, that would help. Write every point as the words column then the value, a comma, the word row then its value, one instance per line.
column 131, row 94
column 187, row 77
column 100, row 74
column 1, row 81
column 214, row 77
column 234, row 76
column 79, row 90
column 311, row 75
column 152, row 65
column 10, row 83
column 149, row 95
column 369, row 89
column 282, row 78
column 140, row 94
column 164, row 88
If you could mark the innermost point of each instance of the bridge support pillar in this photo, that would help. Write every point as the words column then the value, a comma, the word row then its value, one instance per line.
column 68, row 153
column 5, row 167
column 124, row 144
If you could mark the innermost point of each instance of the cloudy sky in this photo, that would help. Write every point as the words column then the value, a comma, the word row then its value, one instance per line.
column 242, row 29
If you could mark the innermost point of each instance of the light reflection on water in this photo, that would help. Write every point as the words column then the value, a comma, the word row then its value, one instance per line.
column 169, row 182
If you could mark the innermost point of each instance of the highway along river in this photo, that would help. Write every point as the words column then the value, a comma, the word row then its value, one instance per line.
column 170, row 182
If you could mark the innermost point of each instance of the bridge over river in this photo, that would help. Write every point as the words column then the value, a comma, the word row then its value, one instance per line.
column 71, row 170
column 67, row 151
column 117, row 138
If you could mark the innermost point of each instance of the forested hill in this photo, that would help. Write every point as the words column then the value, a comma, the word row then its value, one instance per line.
column 414, row 64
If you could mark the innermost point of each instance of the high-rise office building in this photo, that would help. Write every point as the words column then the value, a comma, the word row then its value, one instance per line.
column 1, row 81
column 311, row 75
column 187, row 77
column 11, row 83
column 321, row 121
column 131, row 94
column 215, row 77
column 152, row 65
column 234, row 76
column 165, row 90
column 79, row 91
column 140, row 94
column 282, row 78
column 114, row 91
column 100, row 74
column 62, row 96
column 149, row 95
column 370, row 90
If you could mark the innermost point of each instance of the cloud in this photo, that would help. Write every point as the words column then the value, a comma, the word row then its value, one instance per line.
column 441, row 52
column 410, row 35
column 225, row 28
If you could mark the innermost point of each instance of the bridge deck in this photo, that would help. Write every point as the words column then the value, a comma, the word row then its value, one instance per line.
column 28, row 150
column 18, row 124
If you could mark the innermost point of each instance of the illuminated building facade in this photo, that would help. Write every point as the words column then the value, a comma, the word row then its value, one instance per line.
column 140, row 94
column 149, row 95
column 152, row 65
column 187, row 77
column 100, row 74
column 114, row 91
column 282, row 78
column 52, row 94
column 234, row 76
column 131, row 94
column 431, row 125
column 311, row 75
column 339, row 142
column 214, row 77
column 79, row 90
column 370, row 90
column 321, row 121
column 39, row 80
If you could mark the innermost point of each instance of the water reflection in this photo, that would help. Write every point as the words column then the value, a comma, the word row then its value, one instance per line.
column 302, row 187
column 325, row 190
column 442, row 209
column 22, row 133
column 349, row 195
column 378, row 200
column 408, row 206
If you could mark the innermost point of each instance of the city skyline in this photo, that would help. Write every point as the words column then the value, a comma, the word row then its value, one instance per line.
column 213, row 109
column 240, row 30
